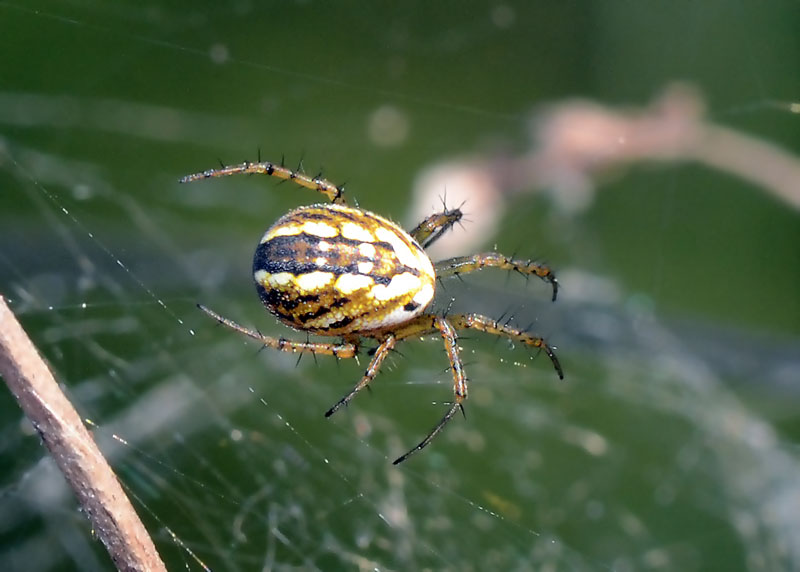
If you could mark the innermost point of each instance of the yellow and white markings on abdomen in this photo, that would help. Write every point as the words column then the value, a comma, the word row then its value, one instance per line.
column 335, row 270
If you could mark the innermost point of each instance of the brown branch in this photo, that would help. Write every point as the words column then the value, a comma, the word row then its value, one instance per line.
column 98, row 491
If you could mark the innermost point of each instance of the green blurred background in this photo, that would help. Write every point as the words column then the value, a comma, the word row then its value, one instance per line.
column 672, row 444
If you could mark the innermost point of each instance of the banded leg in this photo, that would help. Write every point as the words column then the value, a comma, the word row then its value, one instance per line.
column 343, row 350
column 465, row 264
column 426, row 324
column 490, row 326
column 433, row 227
column 459, row 381
column 333, row 192
column 372, row 370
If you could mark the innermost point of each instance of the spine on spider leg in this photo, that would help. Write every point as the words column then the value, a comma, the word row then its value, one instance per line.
column 372, row 370
column 466, row 264
column 486, row 324
column 343, row 350
column 334, row 192
column 459, row 384
column 456, row 365
column 524, row 267
column 434, row 226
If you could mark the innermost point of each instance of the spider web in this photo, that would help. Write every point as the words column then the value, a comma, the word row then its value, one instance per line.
column 672, row 442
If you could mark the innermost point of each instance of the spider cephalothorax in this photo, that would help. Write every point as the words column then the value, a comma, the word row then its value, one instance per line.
column 336, row 270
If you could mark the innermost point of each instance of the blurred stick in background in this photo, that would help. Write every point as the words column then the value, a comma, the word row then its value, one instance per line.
column 575, row 143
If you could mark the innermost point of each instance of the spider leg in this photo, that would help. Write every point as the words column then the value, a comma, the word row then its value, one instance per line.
column 490, row 326
column 372, row 370
column 333, row 192
column 464, row 264
column 343, row 350
column 433, row 227
column 427, row 323
column 459, row 380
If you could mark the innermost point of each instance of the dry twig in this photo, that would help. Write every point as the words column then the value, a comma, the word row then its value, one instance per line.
column 98, row 491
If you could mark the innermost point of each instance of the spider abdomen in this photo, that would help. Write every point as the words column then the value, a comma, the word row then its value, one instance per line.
column 333, row 270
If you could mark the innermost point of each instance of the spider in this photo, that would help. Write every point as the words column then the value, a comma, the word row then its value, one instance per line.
column 336, row 270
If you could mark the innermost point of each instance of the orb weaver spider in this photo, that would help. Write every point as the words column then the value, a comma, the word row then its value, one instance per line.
column 335, row 270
